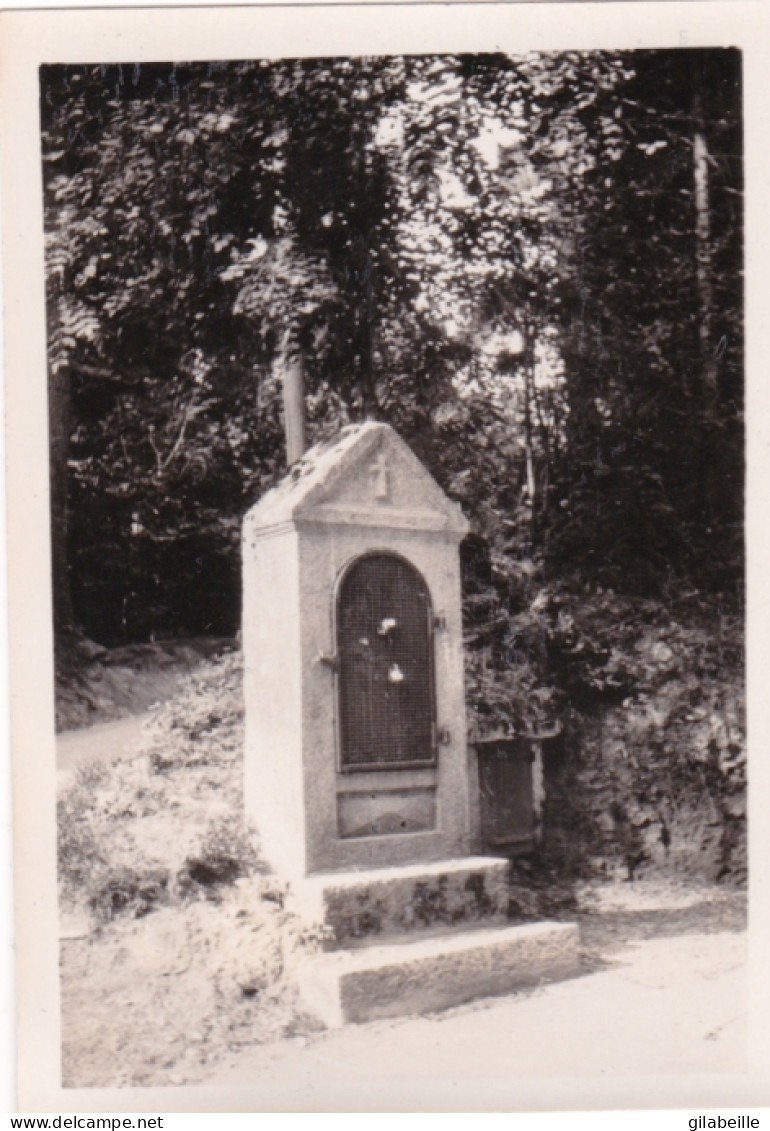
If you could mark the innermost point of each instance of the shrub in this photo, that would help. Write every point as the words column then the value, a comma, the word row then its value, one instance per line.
column 648, row 696
column 129, row 832
column 203, row 723
column 227, row 852
column 127, row 891
column 79, row 852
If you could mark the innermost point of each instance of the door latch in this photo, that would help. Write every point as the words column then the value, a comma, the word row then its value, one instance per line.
column 444, row 736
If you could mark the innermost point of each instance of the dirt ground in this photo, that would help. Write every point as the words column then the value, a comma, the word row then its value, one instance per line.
column 200, row 990
column 203, row 994
column 163, row 999
column 669, row 1006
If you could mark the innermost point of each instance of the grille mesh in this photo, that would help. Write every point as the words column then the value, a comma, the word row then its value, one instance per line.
column 384, row 645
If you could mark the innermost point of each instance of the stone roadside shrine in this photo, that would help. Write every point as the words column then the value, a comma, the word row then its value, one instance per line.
column 358, row 773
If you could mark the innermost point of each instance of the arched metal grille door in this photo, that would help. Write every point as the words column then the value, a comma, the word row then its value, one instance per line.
column 385, row 651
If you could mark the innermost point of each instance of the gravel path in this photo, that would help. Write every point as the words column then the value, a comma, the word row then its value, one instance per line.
column 105, row 742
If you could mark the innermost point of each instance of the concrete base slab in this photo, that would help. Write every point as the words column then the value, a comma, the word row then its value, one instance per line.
column 366, row 906
column 436, row 973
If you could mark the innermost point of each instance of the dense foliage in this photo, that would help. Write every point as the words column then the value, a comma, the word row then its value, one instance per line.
column 532, row 267
column 508, row 258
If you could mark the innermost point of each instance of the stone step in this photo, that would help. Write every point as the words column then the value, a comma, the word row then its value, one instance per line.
column 371, row 906
column 436, row 973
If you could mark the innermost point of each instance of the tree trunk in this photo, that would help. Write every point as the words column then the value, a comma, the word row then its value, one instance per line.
column 289, row 364
column 708, row 455
column 528, row 439
column 703, row 252
column 59, row 427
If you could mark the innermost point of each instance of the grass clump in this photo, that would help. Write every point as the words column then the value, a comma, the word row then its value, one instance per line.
column 227, row 852
column 80, row 853
column 127, row 891
column 203, row 724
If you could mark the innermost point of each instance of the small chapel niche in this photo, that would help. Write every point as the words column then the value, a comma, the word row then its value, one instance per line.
column 356, row 750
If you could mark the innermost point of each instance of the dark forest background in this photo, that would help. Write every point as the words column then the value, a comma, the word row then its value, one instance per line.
column 530, row 266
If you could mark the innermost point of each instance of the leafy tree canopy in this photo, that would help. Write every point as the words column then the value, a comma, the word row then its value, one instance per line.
column 530, row 265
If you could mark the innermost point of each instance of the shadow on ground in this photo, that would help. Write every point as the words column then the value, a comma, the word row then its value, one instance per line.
column 605, row 932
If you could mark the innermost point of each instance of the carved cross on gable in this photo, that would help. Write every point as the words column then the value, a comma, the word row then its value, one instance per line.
column 379, row 473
